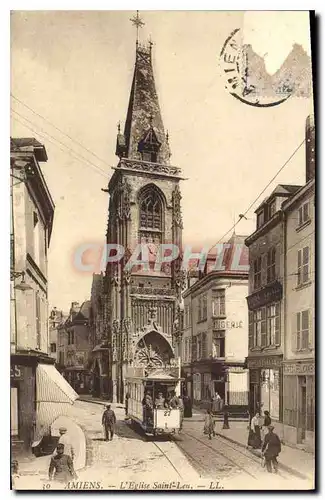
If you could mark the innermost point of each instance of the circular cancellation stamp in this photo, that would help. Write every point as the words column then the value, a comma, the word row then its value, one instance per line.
column 246, row 77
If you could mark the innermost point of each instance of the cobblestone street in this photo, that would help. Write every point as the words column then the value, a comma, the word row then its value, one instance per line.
column 133, row 461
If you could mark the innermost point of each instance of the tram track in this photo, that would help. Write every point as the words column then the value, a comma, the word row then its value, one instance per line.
column 167, row 458
column 234, row 463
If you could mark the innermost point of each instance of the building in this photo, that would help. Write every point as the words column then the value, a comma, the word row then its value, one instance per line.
column 75, row 347
column 34, row 378
column 144, row 208
column 299, row 304
column 56, row 319
column 98, row 324
column 265, row 304
column 214, row 340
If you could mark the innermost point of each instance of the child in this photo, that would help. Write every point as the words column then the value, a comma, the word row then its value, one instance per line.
column 209, row 424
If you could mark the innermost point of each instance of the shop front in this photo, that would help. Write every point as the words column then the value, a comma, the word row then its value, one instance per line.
column 299, row 402
column 22, row 404
column 265, row 385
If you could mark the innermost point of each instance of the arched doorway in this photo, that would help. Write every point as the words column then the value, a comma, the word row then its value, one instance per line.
column 153, row 349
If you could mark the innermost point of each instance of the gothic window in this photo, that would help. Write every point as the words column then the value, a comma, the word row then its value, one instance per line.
column 151, row 211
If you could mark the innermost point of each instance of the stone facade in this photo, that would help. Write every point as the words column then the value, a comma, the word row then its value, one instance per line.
column 214, row 341
column 32, row 212
column 144, row 208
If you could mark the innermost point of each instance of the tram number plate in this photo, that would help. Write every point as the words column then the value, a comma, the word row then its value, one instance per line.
column 167, row 413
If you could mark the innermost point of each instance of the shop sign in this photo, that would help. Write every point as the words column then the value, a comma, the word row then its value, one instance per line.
column 271, row 293
column 265, row 362
column 299, row 369
column 16, row 372
column 221, row 324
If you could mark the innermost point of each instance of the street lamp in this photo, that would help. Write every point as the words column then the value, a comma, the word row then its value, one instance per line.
column 23, row 286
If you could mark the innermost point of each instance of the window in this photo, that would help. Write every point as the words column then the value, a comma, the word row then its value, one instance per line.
column 199, row 346
column 204, row 346
column 303, row 265
column 194, row 350
column 202, row 308
column 260, row 327
column 218, row 344
column 271, row 257
column 53, row 347
column 264, row 327
column 219, row 303
column 273, row 324
column 150, row 211
column 302, row 340
column 272, row 208
column 257, row 272
column 71, row 337
column 36, row 238
column 38, row 320
column 303, row 214
column 260, row 219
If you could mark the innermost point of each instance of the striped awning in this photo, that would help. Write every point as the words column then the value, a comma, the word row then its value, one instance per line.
column 54, row 397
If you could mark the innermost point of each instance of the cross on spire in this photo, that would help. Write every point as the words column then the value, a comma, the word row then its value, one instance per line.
column 138, row 23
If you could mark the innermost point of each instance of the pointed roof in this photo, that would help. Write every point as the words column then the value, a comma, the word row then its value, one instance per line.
column 143, row 118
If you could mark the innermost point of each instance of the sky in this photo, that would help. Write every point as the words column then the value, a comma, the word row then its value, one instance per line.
column 75, row 69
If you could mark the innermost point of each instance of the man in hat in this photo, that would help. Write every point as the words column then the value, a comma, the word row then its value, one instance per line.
column 61, row 466
column 108, row 422
column 271, row 449
column 66, row 441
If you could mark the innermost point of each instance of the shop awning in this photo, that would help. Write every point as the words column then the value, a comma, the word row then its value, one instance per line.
column 54, row 397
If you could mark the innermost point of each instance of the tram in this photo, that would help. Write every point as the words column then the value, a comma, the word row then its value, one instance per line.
column 148, row 403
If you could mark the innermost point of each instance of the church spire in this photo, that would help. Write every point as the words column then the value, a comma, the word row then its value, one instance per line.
column 144, row 136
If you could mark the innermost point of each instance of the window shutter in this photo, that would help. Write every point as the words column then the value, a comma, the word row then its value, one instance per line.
column 277, row 325
column 294, row 334
column 250, row 329
column 311, row 329
column 299, row 273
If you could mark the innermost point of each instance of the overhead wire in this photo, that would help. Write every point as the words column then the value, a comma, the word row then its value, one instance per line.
column 51, row 138
column 58, row 129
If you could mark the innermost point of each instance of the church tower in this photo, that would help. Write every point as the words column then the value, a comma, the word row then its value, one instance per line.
column 144, row 208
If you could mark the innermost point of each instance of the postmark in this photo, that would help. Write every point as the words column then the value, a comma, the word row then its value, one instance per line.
column 247, row 79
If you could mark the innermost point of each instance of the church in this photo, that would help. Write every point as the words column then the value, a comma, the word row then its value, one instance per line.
column 142, row 304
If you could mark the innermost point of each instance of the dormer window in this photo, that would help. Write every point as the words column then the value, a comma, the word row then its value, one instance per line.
column 149, row 146
column 272, row 208
column 260, row 219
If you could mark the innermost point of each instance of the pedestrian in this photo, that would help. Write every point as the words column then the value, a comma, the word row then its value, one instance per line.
column 266, row 423
column 271, row 449
column 109, row 421
column 254, row 436
column 209, row 424
column 67, row 442
column 187, row 406
column 61, row 466
column 127, row 397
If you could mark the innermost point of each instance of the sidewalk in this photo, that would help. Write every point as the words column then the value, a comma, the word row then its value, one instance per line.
column 293, row 460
